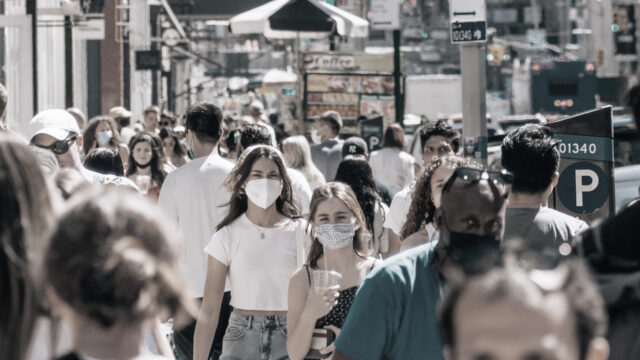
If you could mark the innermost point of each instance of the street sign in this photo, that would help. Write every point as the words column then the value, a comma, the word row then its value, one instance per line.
column 468, row 21
column 372, row 132
column 90, row 29
column 585, row 187
column 148, row 60
column 467, row 10
column 385, row 14
column 469, row 32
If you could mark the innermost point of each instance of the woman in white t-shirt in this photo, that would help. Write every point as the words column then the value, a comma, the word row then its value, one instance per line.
column 391, row 164
column 419, row 227
column 258, row 246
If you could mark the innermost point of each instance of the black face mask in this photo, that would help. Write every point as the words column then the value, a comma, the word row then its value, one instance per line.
column 474, row 253
column 142, row 166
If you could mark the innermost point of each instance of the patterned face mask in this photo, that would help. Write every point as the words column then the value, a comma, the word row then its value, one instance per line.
column 335, row 236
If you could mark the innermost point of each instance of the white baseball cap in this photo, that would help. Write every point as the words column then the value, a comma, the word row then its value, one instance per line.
column 56, row 123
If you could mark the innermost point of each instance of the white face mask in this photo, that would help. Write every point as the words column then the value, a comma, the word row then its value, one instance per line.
column 263, row 192
column 315, row 137
column 104, row 137
column 335, row 236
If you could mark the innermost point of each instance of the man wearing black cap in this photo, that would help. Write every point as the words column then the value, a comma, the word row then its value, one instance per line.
column 355, row 147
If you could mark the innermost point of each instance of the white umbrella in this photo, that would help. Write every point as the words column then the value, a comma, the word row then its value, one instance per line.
column 276, row 76
column 293, row 20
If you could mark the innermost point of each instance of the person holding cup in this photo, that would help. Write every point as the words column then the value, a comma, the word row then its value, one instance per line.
column 321, row 292
column 258, row 245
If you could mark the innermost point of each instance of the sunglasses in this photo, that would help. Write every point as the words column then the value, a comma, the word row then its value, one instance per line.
column 476, row 175
column 165, row 123
column 61, row 146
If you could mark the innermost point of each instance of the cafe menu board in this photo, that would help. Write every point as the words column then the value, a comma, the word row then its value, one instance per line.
column 380, row 105
column 350, row 95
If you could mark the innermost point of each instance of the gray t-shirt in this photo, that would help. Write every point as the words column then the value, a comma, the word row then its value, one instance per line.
column 541, row 226
column 327, row 157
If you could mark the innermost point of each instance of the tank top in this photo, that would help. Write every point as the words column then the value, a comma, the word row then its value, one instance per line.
column 338, row 313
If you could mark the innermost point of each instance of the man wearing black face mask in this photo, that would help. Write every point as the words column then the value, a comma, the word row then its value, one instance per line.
column 394, row 313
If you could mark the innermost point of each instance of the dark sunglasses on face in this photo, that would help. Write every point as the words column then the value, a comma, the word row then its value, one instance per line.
column 475, row 175
column 165, row 123
column 61, row 146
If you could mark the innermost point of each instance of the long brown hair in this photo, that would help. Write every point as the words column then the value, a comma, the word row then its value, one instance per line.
column 346, row 195
column 157, row 172
column 422, row 208
column 89, row 134
column 25, row 215
column 240, row 173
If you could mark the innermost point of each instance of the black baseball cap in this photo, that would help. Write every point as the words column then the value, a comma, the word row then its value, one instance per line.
column 354, row 146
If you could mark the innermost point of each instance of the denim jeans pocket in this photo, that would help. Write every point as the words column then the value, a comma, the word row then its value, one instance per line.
column 234, row 333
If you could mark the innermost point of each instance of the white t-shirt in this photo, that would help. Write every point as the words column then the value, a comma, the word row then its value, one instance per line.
column 379, row 242
column 394, row 167
column 192, row 196
column 260, row 260
column 301, row 189
column 398, row 210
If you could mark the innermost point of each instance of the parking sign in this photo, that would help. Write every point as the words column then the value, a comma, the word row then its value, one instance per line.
column 585, row 187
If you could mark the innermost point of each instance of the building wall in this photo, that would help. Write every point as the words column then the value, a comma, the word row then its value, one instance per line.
column 111, row 61
column 139, row 39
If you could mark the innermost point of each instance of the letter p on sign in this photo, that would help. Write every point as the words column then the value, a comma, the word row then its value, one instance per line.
column 581, row 188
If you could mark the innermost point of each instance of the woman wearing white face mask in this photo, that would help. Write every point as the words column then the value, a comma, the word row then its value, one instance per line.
column 102, row 131
column 339, row 244
column 258, row 245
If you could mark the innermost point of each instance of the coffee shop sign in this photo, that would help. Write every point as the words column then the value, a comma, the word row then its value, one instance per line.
column 329, row 62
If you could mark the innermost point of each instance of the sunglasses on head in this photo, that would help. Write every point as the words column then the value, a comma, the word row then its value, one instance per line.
column 61, row 146
column 476, row 175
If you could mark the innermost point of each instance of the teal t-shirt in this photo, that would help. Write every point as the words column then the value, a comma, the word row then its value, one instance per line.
column 394, row 313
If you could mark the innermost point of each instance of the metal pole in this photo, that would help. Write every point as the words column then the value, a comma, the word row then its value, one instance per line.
column 474, row 106
column 68, row 62
column 534, row 11
column 31, row 9
column 397, row 76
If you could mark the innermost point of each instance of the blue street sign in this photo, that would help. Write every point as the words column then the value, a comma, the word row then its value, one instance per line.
column 468, row 32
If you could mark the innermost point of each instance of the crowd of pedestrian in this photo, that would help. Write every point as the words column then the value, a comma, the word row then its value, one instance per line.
column 192, row 238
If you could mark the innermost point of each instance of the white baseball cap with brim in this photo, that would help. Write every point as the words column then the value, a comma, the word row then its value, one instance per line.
column 56, row 123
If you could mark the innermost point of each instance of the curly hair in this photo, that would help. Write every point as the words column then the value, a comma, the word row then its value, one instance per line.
column 358, row 175
column 422, row 208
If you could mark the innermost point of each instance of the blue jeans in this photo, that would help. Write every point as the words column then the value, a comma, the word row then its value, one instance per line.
column 255, row 338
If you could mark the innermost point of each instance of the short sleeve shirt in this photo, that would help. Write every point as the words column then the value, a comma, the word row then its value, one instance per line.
column 394, row 313
column 398, row 211
column 260, row 260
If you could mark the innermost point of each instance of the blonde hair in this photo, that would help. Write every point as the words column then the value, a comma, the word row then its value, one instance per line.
column 300, row 153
